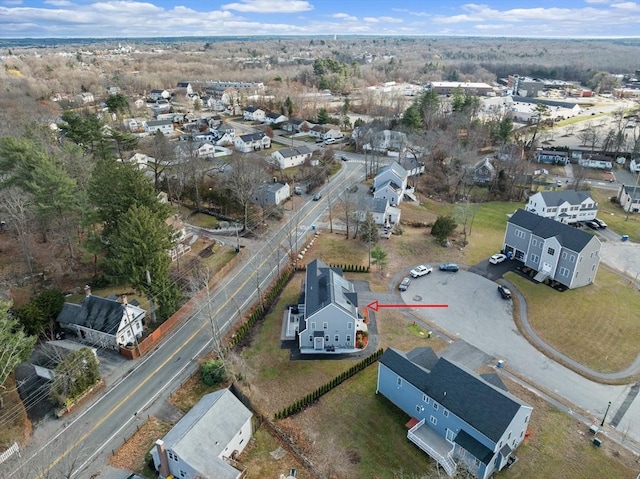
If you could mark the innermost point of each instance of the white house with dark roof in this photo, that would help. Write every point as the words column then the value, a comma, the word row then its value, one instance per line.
column 391, row 184
column 164, row 126
column 383, row 213
column 203, row 443
column 159, row 95
column 297, row 125
column 185, row 87
column 251, row 142
column 289, row 157
column 330, row 312
column 103, row 322
column 273, row 118
column 326, row 132
column 458, row 418
column 565, row 206
column 253, row 113
column 554, row 250
column 629, row 198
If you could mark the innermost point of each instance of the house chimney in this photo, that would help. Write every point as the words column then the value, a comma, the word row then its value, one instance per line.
column 123, row 298
column 163, row 469
column 87, row 290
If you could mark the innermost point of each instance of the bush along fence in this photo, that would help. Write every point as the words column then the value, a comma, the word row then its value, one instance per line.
column 347, row 268
column 263, row 308
column 299, row 405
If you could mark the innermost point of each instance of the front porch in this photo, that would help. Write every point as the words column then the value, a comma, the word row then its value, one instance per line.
column 437, row 447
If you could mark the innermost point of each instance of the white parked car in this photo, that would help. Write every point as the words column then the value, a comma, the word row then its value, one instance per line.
column 497, row 258
column 421, row 270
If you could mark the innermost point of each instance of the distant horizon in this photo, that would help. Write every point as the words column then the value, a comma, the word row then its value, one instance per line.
column 99, row 19
column 195, row 38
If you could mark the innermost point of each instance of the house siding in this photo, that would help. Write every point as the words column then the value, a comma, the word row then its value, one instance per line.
column 566, row 266
column 239, row 441
column 587, row 265
column 337, row 320
column 412, row 401
column 177, row 466
column 517, row 243
column 388, row 193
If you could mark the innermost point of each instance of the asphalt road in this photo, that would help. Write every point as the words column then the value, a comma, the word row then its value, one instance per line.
column 82, row 441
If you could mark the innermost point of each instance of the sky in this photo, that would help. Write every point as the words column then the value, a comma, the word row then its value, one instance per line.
column 161, row 18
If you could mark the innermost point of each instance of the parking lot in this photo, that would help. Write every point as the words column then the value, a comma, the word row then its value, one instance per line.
column 477, row 314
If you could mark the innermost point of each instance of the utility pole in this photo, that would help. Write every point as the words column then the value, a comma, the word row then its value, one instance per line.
column 152, row 305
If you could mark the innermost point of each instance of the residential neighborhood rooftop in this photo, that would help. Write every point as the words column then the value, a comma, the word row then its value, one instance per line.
column 569, row 236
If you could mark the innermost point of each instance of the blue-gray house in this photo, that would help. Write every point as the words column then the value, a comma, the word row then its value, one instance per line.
column 459, row 418
column 331, row 319
column 555, row 250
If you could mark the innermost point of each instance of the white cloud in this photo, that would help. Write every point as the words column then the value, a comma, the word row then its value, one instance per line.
column 391, row 19
column 269, row 6
column 411, row 13
column 58, row 3
column 144, row 18
column 345, row 16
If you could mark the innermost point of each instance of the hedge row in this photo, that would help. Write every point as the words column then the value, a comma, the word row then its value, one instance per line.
column 261, row 310
column 325, row 388
column 347, row 268
column 351, row 268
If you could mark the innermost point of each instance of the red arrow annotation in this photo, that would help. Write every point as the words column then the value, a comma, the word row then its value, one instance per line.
column 376, row 306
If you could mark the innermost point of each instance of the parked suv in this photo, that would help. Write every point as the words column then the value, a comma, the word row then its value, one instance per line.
column 504, row 292
column 601, row 223
column 404, row 285
column 452, row 267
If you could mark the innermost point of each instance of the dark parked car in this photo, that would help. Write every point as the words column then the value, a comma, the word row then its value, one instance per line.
column 601, row 223
column 452, row 267
column 404, row 285
column 592, row 224
column 504, row 292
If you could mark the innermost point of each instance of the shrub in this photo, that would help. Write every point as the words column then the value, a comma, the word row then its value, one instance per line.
column 213, row 372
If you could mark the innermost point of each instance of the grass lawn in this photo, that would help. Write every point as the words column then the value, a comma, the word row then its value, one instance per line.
column 352, row 432
column 485, row 227
column 559, row 446
column 596, row 325
column 614, row 215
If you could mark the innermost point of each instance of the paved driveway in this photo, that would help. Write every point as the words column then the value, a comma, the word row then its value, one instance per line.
column 478, row 314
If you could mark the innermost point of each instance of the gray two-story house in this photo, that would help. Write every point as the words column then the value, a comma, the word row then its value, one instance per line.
column 555, row 250
column 459, row 418
column 330, row 311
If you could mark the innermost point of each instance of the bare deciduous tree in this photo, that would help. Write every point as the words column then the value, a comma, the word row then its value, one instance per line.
column 247, row 175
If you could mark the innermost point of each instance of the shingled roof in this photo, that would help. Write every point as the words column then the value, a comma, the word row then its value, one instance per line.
column 206, row 430
column 556, row 198
column 569, row 237
column 479, row 403
column 99, row 314
column 326, row 285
